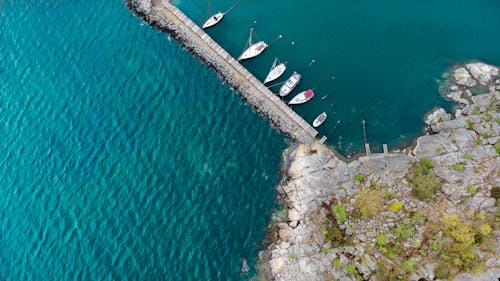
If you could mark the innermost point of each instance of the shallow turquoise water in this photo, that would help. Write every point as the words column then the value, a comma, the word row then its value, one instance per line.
column 385, row 55
column 121, row 156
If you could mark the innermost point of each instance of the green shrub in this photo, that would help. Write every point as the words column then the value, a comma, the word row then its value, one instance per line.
column 442, row 271
column 340, row 213
column 351, row 270
column 495, row 192
column 405, row 229
column 497, row 147
column 468, row 155
column 388, row 195
column 359, row 177
column 471, row 189
column 409, row 266
column 336, row 262
column 382, row 239
column 424, row 181
column 459, row 167
column 368, row 202
column 469, row 124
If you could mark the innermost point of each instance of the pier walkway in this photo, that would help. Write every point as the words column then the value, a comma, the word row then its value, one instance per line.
column 166, row 17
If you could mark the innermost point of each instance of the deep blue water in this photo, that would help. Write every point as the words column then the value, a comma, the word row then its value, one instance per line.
column 121, row 156
column 387, row 56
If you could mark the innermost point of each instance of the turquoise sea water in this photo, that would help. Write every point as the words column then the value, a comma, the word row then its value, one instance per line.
column 385, row 56
column 121, row 156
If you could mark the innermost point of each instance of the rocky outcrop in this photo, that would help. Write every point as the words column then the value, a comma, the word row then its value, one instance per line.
column 465, row 160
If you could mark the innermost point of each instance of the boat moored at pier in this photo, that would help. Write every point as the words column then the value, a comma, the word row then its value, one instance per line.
column 253, row 49
column 213, row 20
column 276, row 71
column 319, row 120
column 290, row 84
column 302, row 97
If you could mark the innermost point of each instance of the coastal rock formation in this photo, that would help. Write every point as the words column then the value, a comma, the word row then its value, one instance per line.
column 368, row 219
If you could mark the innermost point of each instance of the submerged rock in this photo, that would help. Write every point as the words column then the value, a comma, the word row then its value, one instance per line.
column 244, row 265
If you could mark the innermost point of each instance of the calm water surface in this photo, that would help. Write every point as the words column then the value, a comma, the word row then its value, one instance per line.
column 121, row 156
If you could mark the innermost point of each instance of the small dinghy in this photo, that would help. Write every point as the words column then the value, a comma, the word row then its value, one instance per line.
column 319, row 120
column 213, row 20
column 253, row 49
column 276, row 71
column 303, row 97
column 290, row 84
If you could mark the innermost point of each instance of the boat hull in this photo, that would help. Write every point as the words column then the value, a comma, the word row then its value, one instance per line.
column 290, row 84
column 253, row 51
column 213, row 20
column 302, row 97
column 319, row 120
column 275, row 73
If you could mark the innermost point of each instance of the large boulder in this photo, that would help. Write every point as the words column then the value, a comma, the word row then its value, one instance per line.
column 436, row 116
column 482, row 72
column 463, row 77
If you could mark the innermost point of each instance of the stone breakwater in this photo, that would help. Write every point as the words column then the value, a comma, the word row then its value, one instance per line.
column 401, row 236
column 167, row 18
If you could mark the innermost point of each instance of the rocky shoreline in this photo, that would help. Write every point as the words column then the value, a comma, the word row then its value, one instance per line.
column 324, row 236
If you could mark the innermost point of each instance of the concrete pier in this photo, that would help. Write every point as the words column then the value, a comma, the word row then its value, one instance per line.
column 166, row 17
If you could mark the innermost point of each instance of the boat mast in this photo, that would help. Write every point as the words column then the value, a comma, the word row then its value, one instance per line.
column 208, row 9
column 250, row 38
column 232, row 7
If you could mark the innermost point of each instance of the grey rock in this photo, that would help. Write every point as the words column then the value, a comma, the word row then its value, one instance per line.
column 482, row 151
column 490, row 275
column 463, row 77
column 483, row 101
column 482, row 72
column 433, row 145
column 438, row 115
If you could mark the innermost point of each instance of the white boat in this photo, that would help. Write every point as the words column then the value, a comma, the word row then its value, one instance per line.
column 319, row 120
column 254, row 49
column 213, row 20
column 302, row 97
column 276, row 71
column 290, row 84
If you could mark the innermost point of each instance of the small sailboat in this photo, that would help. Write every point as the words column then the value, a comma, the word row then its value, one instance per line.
column 213, row 20
column 290, row 84
column 276, row 71
column 302, row 97
column 252, row 50
column 319, row 120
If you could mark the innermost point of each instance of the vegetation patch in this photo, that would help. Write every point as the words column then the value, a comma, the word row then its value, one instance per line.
column 332, row 232
column 497, row 147
column 359, row 177
column 424, row 181
column 459, row 167
column 396, row 206
column 368, row 202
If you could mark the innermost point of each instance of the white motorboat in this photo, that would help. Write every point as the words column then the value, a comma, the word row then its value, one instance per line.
column 276, row 71
column 302, row 97
column 319, row 120
column 252, row 50
column 290, row 84
column 213, row 20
